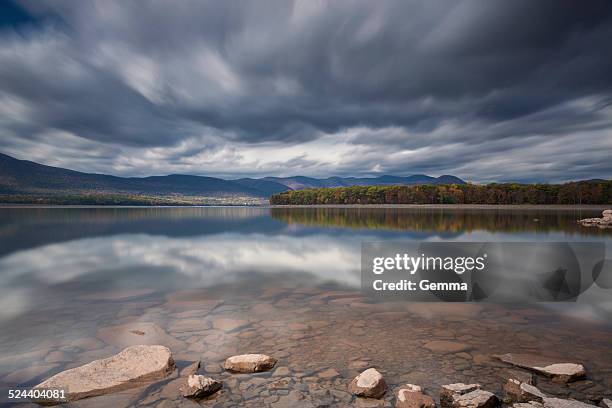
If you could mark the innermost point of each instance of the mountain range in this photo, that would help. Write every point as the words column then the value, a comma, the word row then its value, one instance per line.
column 24, row 177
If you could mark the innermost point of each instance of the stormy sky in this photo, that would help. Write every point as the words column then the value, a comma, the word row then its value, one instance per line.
column 489, row 90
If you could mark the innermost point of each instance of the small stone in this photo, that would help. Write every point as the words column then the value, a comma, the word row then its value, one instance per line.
column 369, row 383
column 606, row 403
column 446, row 347
column 563, row 372
column 522, row 392
column 476, row 399
column 448, row 391
column 249, row 363
column 411, row 396
column 198, row 386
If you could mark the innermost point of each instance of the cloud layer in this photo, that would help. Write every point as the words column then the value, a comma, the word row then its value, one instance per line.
column 498, row 90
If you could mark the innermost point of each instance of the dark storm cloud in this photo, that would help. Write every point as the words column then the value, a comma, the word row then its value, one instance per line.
column 450, row 81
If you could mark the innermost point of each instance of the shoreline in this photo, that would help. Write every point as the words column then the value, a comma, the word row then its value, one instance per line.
column 126, row 206
column 458, row 206
column 358, row 206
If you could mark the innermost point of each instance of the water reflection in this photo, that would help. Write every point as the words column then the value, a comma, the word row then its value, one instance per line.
column 46, row 274
column 292, row 274
column 442, row 220
column 57, row 253
column 22, row 228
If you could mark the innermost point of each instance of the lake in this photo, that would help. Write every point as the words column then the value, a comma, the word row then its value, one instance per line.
column 78, row 284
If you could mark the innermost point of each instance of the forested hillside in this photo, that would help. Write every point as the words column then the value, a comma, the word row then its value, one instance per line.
column 584, row 192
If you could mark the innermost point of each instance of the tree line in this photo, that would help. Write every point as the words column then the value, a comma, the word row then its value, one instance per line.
column 584, row 192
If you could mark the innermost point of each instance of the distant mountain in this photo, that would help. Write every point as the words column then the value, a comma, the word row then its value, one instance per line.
column 300, row 182
column 266, row 186
column 24, row 177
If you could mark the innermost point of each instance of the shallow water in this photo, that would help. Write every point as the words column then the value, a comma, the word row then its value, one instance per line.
column 76, row 283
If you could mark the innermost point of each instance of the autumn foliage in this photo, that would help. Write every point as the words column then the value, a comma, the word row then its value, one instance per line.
column 585, row 192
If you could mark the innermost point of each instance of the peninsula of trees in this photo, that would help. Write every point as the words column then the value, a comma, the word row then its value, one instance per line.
column 583, row 192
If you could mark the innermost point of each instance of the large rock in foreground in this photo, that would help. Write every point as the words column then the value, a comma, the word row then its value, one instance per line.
column 476, row 399
column 132, row 367
column 411, row 396
column 369, row 383
column 559, row 372
column 249, row 363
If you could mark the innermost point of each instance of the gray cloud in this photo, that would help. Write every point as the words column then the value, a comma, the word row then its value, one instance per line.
column 488, row 91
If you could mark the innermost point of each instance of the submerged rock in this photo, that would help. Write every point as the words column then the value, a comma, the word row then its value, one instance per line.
column 475, row 399
column 565, row 403
column 446, row 347
column 411, row 396
column 328, row 373
column 132, row 367
column 559, row 372
column 517, row 391
column 369, row 383
column 228, row 324
column 530, row 404
column 198, row 386
column 138, row 333
column 249, row 363
column 447, row 392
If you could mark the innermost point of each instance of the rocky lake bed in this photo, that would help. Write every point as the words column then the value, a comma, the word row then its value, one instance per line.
column 319, row 340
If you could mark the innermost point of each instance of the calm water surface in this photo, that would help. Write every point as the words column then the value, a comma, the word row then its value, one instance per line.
column 77, row 284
